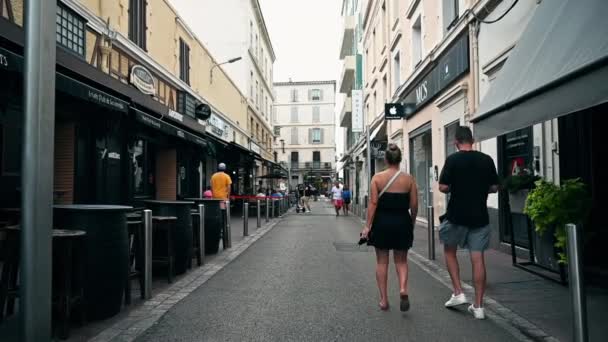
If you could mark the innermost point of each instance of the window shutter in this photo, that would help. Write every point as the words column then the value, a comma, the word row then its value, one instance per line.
column 449, row 13
column 310, row 137
column 309, row 94
column 322, row 135
column 320, row 94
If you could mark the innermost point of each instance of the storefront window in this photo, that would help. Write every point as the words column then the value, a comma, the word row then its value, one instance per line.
column 142, row 169
column 421, row 162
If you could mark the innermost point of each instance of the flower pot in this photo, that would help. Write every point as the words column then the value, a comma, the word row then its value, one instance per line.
column 517, row 201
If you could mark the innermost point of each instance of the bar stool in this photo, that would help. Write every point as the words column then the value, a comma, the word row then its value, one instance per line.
column 165, row 225
column 135, row 231
column 68, row 278
column 9, row 258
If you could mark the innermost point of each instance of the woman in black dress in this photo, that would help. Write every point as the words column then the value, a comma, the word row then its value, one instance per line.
column 391, row 213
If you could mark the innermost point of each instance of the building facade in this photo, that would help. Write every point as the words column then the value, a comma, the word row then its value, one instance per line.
column 130, row 75
column 244, row 35
column 304, row 124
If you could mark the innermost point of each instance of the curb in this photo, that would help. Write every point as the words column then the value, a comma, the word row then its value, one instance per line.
column 152, row 310
column 521, row 328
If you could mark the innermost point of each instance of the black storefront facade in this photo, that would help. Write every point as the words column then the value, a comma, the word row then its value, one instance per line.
column 557, row 73
column 103, row 132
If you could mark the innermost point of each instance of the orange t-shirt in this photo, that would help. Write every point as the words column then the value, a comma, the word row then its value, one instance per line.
column 219, row 183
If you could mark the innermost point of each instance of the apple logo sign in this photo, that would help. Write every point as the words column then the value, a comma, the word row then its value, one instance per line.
column 393, row 110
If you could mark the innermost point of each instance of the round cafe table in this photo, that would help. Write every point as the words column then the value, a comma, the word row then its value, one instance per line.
column 182, row 235
column 106, row 253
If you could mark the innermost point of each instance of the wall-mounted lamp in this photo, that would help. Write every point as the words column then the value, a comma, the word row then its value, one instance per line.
column 218, row 64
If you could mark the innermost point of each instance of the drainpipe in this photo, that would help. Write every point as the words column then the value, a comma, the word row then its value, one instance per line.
column 474, row 38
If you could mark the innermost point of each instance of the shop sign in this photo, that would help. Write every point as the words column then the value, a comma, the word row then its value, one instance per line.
column 255, row 147
column 114, row 155
column 3, row 61
column 175, row 115
column 218, row 127
column 453, row 64
column 357, row 111
column 393, row 111
column 10, row 61
column 378, row 149
column 518, row 150
column 143, row 80
column 106, row 100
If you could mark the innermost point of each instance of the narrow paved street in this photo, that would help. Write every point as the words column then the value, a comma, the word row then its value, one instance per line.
column 306, row 280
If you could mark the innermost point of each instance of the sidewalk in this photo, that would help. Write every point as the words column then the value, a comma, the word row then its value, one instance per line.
column 542, row 302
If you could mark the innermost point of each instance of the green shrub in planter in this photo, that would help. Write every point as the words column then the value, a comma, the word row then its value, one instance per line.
column 551, row 205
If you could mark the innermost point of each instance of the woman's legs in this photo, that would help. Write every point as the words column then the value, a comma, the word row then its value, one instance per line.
column 402, row 270
column 382, row 275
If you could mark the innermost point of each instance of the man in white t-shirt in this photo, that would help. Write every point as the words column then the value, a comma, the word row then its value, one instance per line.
column 336, row 196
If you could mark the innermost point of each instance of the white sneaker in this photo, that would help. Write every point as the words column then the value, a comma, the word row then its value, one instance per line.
column 456, row 300
column 479, row 313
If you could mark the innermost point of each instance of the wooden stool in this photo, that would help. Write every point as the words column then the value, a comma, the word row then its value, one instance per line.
column 136, row 250
column 165, row 226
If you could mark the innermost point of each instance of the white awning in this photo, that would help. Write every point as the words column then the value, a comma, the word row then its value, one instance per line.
column 558, row 67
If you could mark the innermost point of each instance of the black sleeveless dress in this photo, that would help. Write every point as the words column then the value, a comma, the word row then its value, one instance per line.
column 392, row 227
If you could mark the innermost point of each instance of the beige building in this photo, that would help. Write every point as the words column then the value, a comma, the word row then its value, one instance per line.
column 416, row 53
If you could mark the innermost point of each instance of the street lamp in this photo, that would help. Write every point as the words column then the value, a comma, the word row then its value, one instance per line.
column 236, row 59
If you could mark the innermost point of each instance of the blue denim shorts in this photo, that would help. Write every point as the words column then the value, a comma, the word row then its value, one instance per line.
column 474, row 239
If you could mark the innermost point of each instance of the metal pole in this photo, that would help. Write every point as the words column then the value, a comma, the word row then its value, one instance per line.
column 37, row 160
column 246, row 219
column 228, row 236
column 272, row 213
column 577, row 287
column 267, row 209
column 201, row 232
column 431, row 231
column 259, row 212
column 147, row 253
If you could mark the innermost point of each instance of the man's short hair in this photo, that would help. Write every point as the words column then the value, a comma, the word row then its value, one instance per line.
column 464, row 135
column 221, row 167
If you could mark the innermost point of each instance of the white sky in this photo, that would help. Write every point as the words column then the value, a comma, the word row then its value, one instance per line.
column 305, row 36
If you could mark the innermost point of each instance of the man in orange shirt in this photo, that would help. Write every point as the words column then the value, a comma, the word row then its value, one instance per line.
column 220, row 183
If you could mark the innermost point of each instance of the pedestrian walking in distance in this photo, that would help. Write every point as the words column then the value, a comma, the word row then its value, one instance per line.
column 336, row 196
column 468, row 176
column 346, row 197
column 306, row 198
column 391, row 216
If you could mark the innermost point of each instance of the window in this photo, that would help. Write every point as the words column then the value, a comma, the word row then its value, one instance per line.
column 417, row 41
column 250, row 35
column 387, row 97
column 186, row 103
column 143, row 164
column 294, row 135
column 184, row 61
column 275, row 119
column 294, row 114
column 315, row 95
column 374, row 45
column 257, row 131
column 396, row 71
column 316, row 159
column 255, row 47
column 70, row 31
column 251, row 93
column 316, row 114
column 137, row 22
column 316, row 136
column 251, row 125
column 257, row 93
column 262, row 58
column 384, row 25
column 277, row 130
column 295, row 157
column 450, row 14
column 294, row 95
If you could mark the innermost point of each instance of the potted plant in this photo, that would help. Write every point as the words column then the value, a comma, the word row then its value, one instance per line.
column 552, row 206
column 519, row 185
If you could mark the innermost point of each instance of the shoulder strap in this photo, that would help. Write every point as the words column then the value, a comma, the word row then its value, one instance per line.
column 390, row 182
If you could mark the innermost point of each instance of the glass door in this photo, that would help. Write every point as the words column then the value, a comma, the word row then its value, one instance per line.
column 421, row 161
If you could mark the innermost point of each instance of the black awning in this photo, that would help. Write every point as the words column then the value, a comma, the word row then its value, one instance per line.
column 80, row 90
column 167, row 128
column 558, row 67
column 241, row 149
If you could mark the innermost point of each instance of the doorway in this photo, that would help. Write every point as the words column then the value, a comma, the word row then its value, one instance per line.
column 421, row 161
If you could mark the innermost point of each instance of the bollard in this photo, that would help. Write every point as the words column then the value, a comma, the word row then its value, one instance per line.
column 272, row 209
column 577, row 286
column 267, row 209
column 259, row 215
column 147, row 254
column 431, row 231
column 246, row 219
column 228, row 231
column 201, row 233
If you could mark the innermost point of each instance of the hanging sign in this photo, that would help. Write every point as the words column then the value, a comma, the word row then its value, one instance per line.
column 143, row 80
column 357, row 120
column 393, row 111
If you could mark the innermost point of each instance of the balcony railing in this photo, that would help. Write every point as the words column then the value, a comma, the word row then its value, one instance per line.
column 313, row 165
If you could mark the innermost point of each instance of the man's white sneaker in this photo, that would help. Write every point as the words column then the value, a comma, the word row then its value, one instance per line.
column 456, row 300
column 478, row 313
